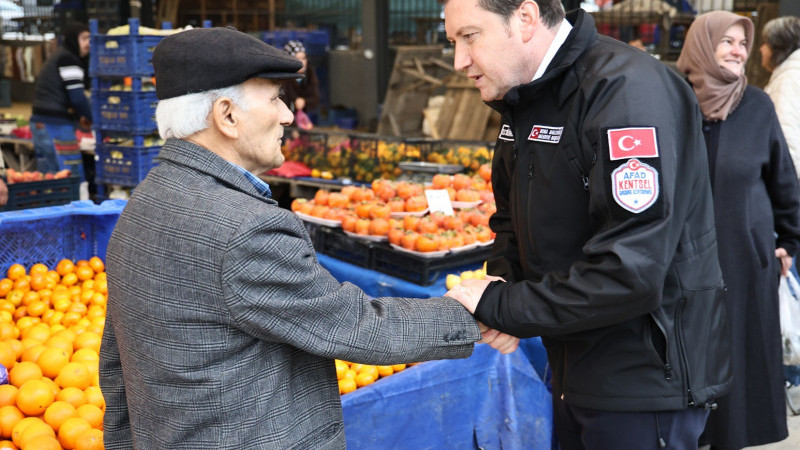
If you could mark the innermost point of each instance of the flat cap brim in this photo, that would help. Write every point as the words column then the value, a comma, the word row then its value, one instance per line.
column 203, row 59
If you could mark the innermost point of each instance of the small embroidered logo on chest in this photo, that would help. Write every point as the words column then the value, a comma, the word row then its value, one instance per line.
column 506, row 134
column 543, row 133
column 638, row 142
column 635, row 186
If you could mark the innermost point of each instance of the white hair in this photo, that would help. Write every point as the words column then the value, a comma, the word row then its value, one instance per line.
column 183, row 116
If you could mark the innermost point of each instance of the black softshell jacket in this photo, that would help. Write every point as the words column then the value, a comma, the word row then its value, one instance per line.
column 627, row 295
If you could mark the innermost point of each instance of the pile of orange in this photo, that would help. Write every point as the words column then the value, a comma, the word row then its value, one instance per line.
column 352, row 376
column 51, row 327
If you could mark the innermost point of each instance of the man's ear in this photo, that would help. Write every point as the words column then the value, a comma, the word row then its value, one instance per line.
column 224, row 117
column 530, row 19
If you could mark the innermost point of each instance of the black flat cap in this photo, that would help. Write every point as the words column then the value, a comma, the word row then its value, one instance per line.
column 203, row 59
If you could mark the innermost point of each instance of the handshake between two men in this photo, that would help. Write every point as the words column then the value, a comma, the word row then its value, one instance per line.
column 468, row 293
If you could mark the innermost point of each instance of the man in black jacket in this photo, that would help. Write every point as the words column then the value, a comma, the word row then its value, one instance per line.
column 605, row 226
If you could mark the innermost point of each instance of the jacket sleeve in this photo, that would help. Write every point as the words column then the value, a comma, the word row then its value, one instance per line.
column 72, row 75
column 784, row 194
column 625, row 260
column 276, row 290
column 504, row 259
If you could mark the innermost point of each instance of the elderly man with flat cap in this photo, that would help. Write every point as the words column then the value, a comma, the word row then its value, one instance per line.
column 222, row 327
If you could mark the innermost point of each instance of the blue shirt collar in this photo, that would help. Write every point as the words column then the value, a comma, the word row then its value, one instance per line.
column 261, row 186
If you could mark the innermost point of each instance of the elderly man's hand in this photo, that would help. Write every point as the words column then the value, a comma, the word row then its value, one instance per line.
column 501, row 342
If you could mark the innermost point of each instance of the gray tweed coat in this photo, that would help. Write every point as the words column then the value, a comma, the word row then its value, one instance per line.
column 222, row 327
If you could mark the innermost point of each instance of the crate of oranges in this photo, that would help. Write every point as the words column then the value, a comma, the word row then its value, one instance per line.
column 51, row 327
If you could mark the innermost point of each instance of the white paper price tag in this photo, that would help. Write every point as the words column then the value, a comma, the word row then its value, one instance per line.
column 439, row 200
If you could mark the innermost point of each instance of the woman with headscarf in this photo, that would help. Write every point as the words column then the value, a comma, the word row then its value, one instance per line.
column 757, row 212
column 780, row 55
column 301, row 94
column 59, row 102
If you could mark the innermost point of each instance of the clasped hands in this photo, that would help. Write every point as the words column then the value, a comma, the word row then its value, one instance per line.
column 468, row 293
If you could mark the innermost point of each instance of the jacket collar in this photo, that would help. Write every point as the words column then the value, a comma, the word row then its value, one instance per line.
column 581, row 37
column 199, row 158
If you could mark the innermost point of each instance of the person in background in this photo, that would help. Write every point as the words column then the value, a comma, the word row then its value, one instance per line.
column 222, row 327
column 59, row 103
column 756, row 198
column 780, row 55
column 604, row 222
column 3, row 192
column 301, row 94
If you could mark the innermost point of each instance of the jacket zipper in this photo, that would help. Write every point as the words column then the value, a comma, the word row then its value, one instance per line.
column 584, row 176
column 682, row 351
column 667, row 365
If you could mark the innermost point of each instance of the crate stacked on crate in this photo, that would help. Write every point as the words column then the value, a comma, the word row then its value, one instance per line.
column 123, row 102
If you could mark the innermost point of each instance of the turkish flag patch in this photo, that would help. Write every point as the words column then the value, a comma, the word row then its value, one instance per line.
column 635, row 142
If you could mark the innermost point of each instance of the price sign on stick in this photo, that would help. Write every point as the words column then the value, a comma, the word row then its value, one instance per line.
column 439, row 200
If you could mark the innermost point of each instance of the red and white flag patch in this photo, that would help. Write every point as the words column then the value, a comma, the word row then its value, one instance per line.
column 638, row 142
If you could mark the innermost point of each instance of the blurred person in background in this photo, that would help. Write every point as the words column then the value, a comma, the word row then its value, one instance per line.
column 3, row 192
column 59, row 103
column 222, row 327
column 301, row 94
column 755, row 198
column 780, row 55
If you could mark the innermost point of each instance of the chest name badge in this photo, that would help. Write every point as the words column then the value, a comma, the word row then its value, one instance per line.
column 506, row 134
column 542, row 133
column 639, row 142
column 635, row 186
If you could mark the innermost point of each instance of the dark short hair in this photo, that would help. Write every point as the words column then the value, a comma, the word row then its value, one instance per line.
column 782, row 35
column 552, row 11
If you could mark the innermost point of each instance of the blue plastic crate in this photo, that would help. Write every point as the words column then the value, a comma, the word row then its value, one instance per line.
column 125, row 165
column 38, row 194
column 78, row 230
column 129, row 111
column 123, row 55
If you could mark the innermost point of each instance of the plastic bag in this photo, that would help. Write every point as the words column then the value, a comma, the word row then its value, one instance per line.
column 788, row 294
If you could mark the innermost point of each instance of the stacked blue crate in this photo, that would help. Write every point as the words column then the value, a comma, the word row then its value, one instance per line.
column 123, row 105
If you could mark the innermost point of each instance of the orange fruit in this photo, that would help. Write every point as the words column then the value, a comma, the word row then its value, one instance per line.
column 32, row 353
column 398, row 367
column 41, row 442
column 16, row 271
column 101, row 286
column 94, row 396
column 37, row 331
column 7, row 445
column 34, row 397
column 90, row 340
column 74, row 374
column 372, row 371
column 6, row 284
column 385, row 371
column 24, row 371
column 347, row 385
column 341, row 368
column 9, row 416
column 92, row 414
column 15, row 345
column 84, row 273
column 58, row 413
column 97, row 264
column 90, row 440
column 71, row 430
column 33, row 431
column 22, row 425
column 69, row 279
column 38, row 281
column 73, row 396
column 8, row 395
column 7, row 355
column 52, row 360
column 363, row 379
column 37, row 308
column 64, row 267
column 38, row 269
column 22, row 284
column 63, row 342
